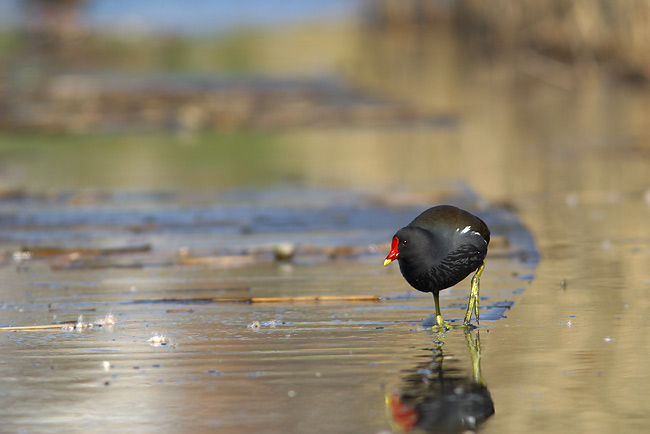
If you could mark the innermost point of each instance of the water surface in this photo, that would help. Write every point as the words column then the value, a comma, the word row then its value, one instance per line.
column 176, row 353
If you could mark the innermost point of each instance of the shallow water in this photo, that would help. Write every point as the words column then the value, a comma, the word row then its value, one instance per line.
column 568, row 355
column 574, row 351
column 181, row 355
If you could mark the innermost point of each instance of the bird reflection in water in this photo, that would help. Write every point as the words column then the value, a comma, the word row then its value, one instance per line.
column 441, row 399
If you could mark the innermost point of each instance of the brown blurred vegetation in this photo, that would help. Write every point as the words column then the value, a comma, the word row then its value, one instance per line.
column 590, row 35
column 61, row 76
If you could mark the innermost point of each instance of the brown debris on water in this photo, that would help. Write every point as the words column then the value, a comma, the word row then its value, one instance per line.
column 58, row 326
column 222, row 261
column 251, row 300
column 78, row 325
column 188, row 104
column 76, row 252
column 284, row 251
column 75, row 264
column 253, row 256
column 277, row 253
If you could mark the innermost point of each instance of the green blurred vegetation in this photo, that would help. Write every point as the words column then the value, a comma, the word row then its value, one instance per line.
column 210, row 160
column 10, row 43
column 234, row 53
column 300, row 49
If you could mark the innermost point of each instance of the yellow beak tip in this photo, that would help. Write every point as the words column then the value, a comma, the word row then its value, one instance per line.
column 387, row 261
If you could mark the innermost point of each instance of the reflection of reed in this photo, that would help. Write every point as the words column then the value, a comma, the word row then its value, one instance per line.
column 440, row 399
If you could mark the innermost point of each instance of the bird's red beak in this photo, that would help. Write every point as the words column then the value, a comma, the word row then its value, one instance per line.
column 393, row 252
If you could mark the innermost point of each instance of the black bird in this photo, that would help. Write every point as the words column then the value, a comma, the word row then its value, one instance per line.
column 438, row 249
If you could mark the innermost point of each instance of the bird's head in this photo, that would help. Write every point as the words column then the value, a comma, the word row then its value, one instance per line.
column 409, row 242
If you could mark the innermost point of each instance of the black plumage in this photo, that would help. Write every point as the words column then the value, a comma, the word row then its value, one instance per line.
column 438, row 249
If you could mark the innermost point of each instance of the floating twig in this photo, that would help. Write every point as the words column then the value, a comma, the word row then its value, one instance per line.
column 251, row 300
column 38, row 327
column 86, row 251
column 108, row 320
column 313, row 299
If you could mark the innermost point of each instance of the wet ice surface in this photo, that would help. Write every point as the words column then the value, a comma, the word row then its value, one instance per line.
column 180, row 355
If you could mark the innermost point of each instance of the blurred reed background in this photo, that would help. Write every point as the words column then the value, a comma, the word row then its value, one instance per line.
column 613, row 37
column 562, row 43
column 314, row 92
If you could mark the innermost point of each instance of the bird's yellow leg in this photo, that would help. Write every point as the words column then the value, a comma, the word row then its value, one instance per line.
column 472, row 304
column 439, row 321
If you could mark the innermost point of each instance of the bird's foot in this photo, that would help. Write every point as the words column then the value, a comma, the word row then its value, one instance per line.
column 442, row 324
column 441, row 330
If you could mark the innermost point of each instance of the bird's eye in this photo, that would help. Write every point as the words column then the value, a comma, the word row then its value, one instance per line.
column 405, row 242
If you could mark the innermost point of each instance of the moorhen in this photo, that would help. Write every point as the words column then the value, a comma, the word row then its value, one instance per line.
column 438, row 249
